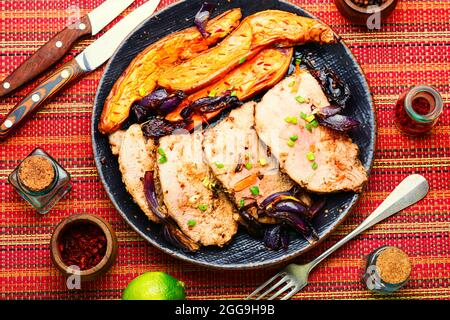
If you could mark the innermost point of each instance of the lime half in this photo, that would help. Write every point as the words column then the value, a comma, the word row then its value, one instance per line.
column 154, row 286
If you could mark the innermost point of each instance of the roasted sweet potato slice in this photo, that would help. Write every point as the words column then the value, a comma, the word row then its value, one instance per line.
column 141, row 75
column 254, row 34
column 259, row 73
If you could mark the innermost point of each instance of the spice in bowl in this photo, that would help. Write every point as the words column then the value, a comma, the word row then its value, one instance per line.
column 418, row 110
column 366, row 12
column 84, row 245
column 388, row 269
column 40, row 180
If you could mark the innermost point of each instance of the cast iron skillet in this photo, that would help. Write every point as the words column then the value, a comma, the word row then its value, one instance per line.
column 243, row 252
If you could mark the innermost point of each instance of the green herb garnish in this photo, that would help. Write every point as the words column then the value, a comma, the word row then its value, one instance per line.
column 291, row 143
column 314, row 166
column 162, row 159
column 242, row 60
column 213, row 93
column 203, row 207
column 241, row 203
column 234, row 94
column 294, row 138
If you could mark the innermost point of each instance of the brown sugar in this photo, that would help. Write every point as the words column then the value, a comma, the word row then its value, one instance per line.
column 36, row 173
column 393, row 265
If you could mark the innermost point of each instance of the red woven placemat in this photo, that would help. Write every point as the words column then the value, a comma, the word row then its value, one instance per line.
column 412, row 48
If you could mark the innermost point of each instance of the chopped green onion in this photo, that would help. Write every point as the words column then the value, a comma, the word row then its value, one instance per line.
column 242, row 60
column 315, row 123
column 234, row 94
column 162, row 159
column 314, row 166
column 303, row 115
column 192, row 223
column 241, row 203
column 161, row 152
column 219, row 165
column 254, row 190
column 291, row 84
column 249, row 166
column 288, row 119
column 298, row 61
column 308, row 127
column 203, row 207
column 310, row 118
column 213, row 93
column 294, row 138
column 300, row 99
column 291, row 143
column 263, row 162
column 142, row 91
column 310, row 156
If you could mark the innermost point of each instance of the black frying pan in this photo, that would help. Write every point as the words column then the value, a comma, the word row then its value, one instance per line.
column 243, row 252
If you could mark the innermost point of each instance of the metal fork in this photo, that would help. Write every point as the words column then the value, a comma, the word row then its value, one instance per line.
column 294, row 277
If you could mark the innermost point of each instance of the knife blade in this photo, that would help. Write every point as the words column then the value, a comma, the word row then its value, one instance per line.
column 57, row 47
column 91, row 58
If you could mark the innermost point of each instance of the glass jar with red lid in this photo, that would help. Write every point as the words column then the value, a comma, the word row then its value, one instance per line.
column 418, row 110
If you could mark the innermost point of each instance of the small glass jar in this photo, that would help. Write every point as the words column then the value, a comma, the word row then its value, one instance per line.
column 387, row 270
column 418, row 110
column 40, row 180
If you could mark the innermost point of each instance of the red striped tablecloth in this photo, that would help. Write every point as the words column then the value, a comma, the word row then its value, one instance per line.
column 413, row 47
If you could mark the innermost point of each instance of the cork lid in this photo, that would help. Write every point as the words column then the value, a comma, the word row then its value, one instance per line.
column 393, row 265
column 36, row 173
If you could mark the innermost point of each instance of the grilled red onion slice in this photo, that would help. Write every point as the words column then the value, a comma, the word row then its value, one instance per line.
column 202, row 17
column 290, row 206
column 316, row 207
column 170, row 230
column 161, row 102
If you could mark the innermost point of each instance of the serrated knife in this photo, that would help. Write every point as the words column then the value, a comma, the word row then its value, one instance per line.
column 90, row 59
column 57, row 47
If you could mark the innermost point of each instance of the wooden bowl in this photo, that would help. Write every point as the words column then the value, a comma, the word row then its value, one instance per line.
column 360, row 15
column 111, row 247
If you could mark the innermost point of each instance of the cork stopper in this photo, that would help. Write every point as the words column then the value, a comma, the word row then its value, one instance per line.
column 393, row 265
column 36, row 173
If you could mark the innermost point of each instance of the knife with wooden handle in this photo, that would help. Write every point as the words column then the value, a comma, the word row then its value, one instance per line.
column 90, row 59
column 57, row 47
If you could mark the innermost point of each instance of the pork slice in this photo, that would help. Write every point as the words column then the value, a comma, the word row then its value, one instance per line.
column 240, row 161
column 136, row 157
column 335, row 166
column 202, row 213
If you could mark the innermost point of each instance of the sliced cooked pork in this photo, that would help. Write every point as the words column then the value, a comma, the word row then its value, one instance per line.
column 202, row 213
column 136, row 157
column 240, row 161
column 317, row 158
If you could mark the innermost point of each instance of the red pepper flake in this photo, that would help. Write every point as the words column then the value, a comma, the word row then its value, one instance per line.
column 83, row 245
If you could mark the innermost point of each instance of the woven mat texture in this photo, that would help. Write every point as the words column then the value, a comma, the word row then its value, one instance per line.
column 413, row 47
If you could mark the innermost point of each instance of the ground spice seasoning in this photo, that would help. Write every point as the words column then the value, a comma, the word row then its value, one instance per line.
column 83, row 245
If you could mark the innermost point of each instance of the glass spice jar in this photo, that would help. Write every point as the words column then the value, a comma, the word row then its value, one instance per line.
column 418, row 110
column 40, row 180
column 388, row 269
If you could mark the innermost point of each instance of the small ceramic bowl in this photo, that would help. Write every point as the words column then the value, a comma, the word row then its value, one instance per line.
column 111, row 247
column 360, row 15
